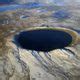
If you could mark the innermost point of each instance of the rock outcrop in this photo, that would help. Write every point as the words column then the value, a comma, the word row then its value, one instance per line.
column 20, row 64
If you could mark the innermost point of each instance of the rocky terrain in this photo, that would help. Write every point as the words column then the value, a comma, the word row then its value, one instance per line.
column 20, row 64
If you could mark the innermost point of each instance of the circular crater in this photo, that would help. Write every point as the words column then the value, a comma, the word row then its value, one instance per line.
column 43, row 39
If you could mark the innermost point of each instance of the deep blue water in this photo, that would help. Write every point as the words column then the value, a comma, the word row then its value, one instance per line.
column 43, row 40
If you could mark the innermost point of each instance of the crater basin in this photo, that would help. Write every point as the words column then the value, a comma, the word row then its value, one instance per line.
column 43, row 40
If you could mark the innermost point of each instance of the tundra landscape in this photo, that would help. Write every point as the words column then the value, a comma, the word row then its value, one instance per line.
column 17, row 63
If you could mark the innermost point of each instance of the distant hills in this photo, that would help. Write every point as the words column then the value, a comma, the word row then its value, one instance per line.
column 6, row 1
column 58, row 2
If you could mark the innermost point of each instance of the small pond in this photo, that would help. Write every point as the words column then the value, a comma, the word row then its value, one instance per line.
column 43, row 40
